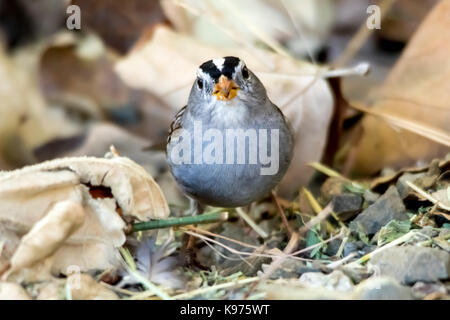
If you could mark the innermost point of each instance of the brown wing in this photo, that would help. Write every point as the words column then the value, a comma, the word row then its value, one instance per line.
column 176, row 123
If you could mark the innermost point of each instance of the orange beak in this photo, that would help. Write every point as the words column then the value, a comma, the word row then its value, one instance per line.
column 225, row 89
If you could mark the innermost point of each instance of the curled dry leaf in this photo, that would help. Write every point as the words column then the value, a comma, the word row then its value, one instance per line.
column 84, row 287
column 47, row 235
column 166, row 65
column 110, row 191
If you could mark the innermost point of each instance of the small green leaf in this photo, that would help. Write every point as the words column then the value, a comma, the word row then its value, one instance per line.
column 393, row 230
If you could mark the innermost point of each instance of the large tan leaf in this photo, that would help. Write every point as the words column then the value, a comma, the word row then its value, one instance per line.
column 109, row 192
column 166, row 65
column 302, row 26
column 416, row 90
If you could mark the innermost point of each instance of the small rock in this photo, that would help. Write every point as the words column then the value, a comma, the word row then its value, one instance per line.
column 333, row 247
column 336, row 280
column 421, row 289
column 429, row 231
column 388, row 207
column 288, row 269
column 347, row 205
column 381, row 288
column 410, row 264
column 357, row 246
column 370, row 196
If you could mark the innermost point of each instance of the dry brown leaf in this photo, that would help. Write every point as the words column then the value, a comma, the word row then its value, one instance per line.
column 25, row 120
column 415, row 90
column 105, row 96
column 119, row 23
column 100, row 186
column 166, row 65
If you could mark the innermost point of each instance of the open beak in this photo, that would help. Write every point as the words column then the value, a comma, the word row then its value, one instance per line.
column 225, row 89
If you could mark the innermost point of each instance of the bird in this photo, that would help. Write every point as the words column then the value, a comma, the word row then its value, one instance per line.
column 230, row 145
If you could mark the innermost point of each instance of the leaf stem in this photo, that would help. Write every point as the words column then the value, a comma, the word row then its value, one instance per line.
column 182, row 221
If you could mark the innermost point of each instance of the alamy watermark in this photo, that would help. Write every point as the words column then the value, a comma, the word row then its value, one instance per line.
column 229, row 146
column 73, row 21
column 374, row 20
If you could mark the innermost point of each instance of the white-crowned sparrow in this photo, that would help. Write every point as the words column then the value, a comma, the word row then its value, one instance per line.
column 230, row 145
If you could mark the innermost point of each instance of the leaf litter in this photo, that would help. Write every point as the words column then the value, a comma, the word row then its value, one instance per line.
column 76, row 227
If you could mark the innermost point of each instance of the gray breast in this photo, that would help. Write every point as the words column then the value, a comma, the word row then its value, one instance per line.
column 231, row 167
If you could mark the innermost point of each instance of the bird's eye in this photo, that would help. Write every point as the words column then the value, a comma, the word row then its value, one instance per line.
column 245, row 73
column 200, row 83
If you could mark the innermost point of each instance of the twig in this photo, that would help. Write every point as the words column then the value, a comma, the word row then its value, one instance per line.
column 277, row 262
column 394, row 243
column 315, row 245
column 196, row 292
column 243, row 244
column 263, row 255
column 182, row 221
column 318, row 209
column 282, row 214
column 326, row 171
column 340, row 262
column 251, row 223
column 427, row 196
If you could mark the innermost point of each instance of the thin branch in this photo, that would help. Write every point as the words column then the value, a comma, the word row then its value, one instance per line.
column 251, row 223
column 182, row 221
column 282, row 214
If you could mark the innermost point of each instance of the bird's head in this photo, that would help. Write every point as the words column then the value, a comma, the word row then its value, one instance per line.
column 226, row 79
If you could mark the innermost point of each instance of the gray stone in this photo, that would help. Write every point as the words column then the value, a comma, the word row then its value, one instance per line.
column 333, row 247
column 388, row 207
column 429, row 231
column 357, row 246
column 336, row 280
column 346, row 205
column 370, row 196
column 381, row 288
column 410, row 264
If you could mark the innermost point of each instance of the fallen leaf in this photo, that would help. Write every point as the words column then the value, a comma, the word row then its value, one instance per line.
column 120, row 23
column 415, row 90
column 27, row 194
column 48, row 234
